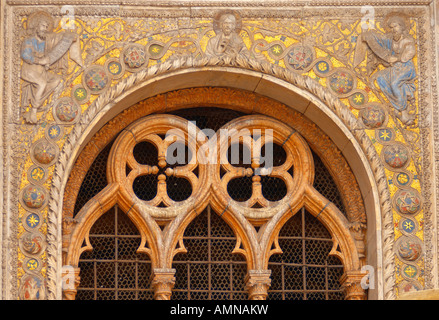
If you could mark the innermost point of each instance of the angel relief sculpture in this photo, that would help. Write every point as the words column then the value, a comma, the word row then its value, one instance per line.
column 44, row 57
column 395, row 51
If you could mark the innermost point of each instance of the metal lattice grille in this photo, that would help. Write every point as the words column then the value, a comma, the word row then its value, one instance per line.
column 209, row 270
column 325, row 184
column 208, row 117
column 113, row 270
column 95, row 180
column 305, row 271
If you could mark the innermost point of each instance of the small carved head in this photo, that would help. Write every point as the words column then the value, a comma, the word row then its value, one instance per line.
column 397, row 25
column 228, row 23
column 40, row 23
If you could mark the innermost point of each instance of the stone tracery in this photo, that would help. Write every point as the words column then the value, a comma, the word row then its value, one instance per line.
column 119, row 191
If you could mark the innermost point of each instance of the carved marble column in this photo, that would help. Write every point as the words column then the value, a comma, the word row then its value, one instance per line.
column 162, row 283
column 257, row 283
column 351, row 284
column 70, row 282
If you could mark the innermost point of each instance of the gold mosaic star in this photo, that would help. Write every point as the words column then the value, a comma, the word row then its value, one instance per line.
column 53, row 132
column 276, row 49
column 408, row 225
column 80, row 93
column 358, row 98
column 33, row 221
column 385, row 135
column 410, row 271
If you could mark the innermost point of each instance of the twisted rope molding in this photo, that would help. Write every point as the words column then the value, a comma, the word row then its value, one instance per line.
column 187, row 62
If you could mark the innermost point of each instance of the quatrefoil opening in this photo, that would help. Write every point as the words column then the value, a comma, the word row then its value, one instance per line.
column 154, row 161
column 265, row 166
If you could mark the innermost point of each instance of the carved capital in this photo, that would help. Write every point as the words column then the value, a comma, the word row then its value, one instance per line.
column 70, row 282
column 162, row 283
column 257, row 283
column 351, row 284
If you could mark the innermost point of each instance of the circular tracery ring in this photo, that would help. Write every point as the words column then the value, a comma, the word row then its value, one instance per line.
column 164, row 132
column 255, row 133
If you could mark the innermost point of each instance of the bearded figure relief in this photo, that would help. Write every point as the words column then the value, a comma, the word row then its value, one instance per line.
column 227, row 41
column 44, row 57
column 395, row 51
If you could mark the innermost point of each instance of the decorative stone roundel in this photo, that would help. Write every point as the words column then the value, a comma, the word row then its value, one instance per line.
column 373, row 116
column 96, row 79
column 407, row 202
column 134, row 56
column 408, row 226
column 32, row 221
column 66, row 111
column 33, row 196
column 395, row 156
column 80, row 94
column 409, row 248
column 115, row 68
column 322, row 67
column 341, row 82
column 44, row 152
column 32, row 244
column 402, row 179
column 32, row 288
column 384, row 136
column 37, row 174
column 300, row 58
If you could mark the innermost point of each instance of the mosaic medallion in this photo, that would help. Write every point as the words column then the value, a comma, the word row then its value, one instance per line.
column 34, row 196
column 66, row 111
column 300, row 58
column 80, row 94
column 373, row 116
column 358, row 99
column 395, row 156
column 36, row 174
column 322, row 67
column 54, row 132
column 32, row 220
column 155, row 51
column 341, row 82
column 407, row 202
column 32, row 264
column 44, row 152
column 409, row 248
column 134, row 56
column 32, row 244
column 276, row 50
column 384, row 135
column 96, row 79
column 32, row 288
column 402, row 179
column 408, row 226
column 115, row 68
column 410, row 271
